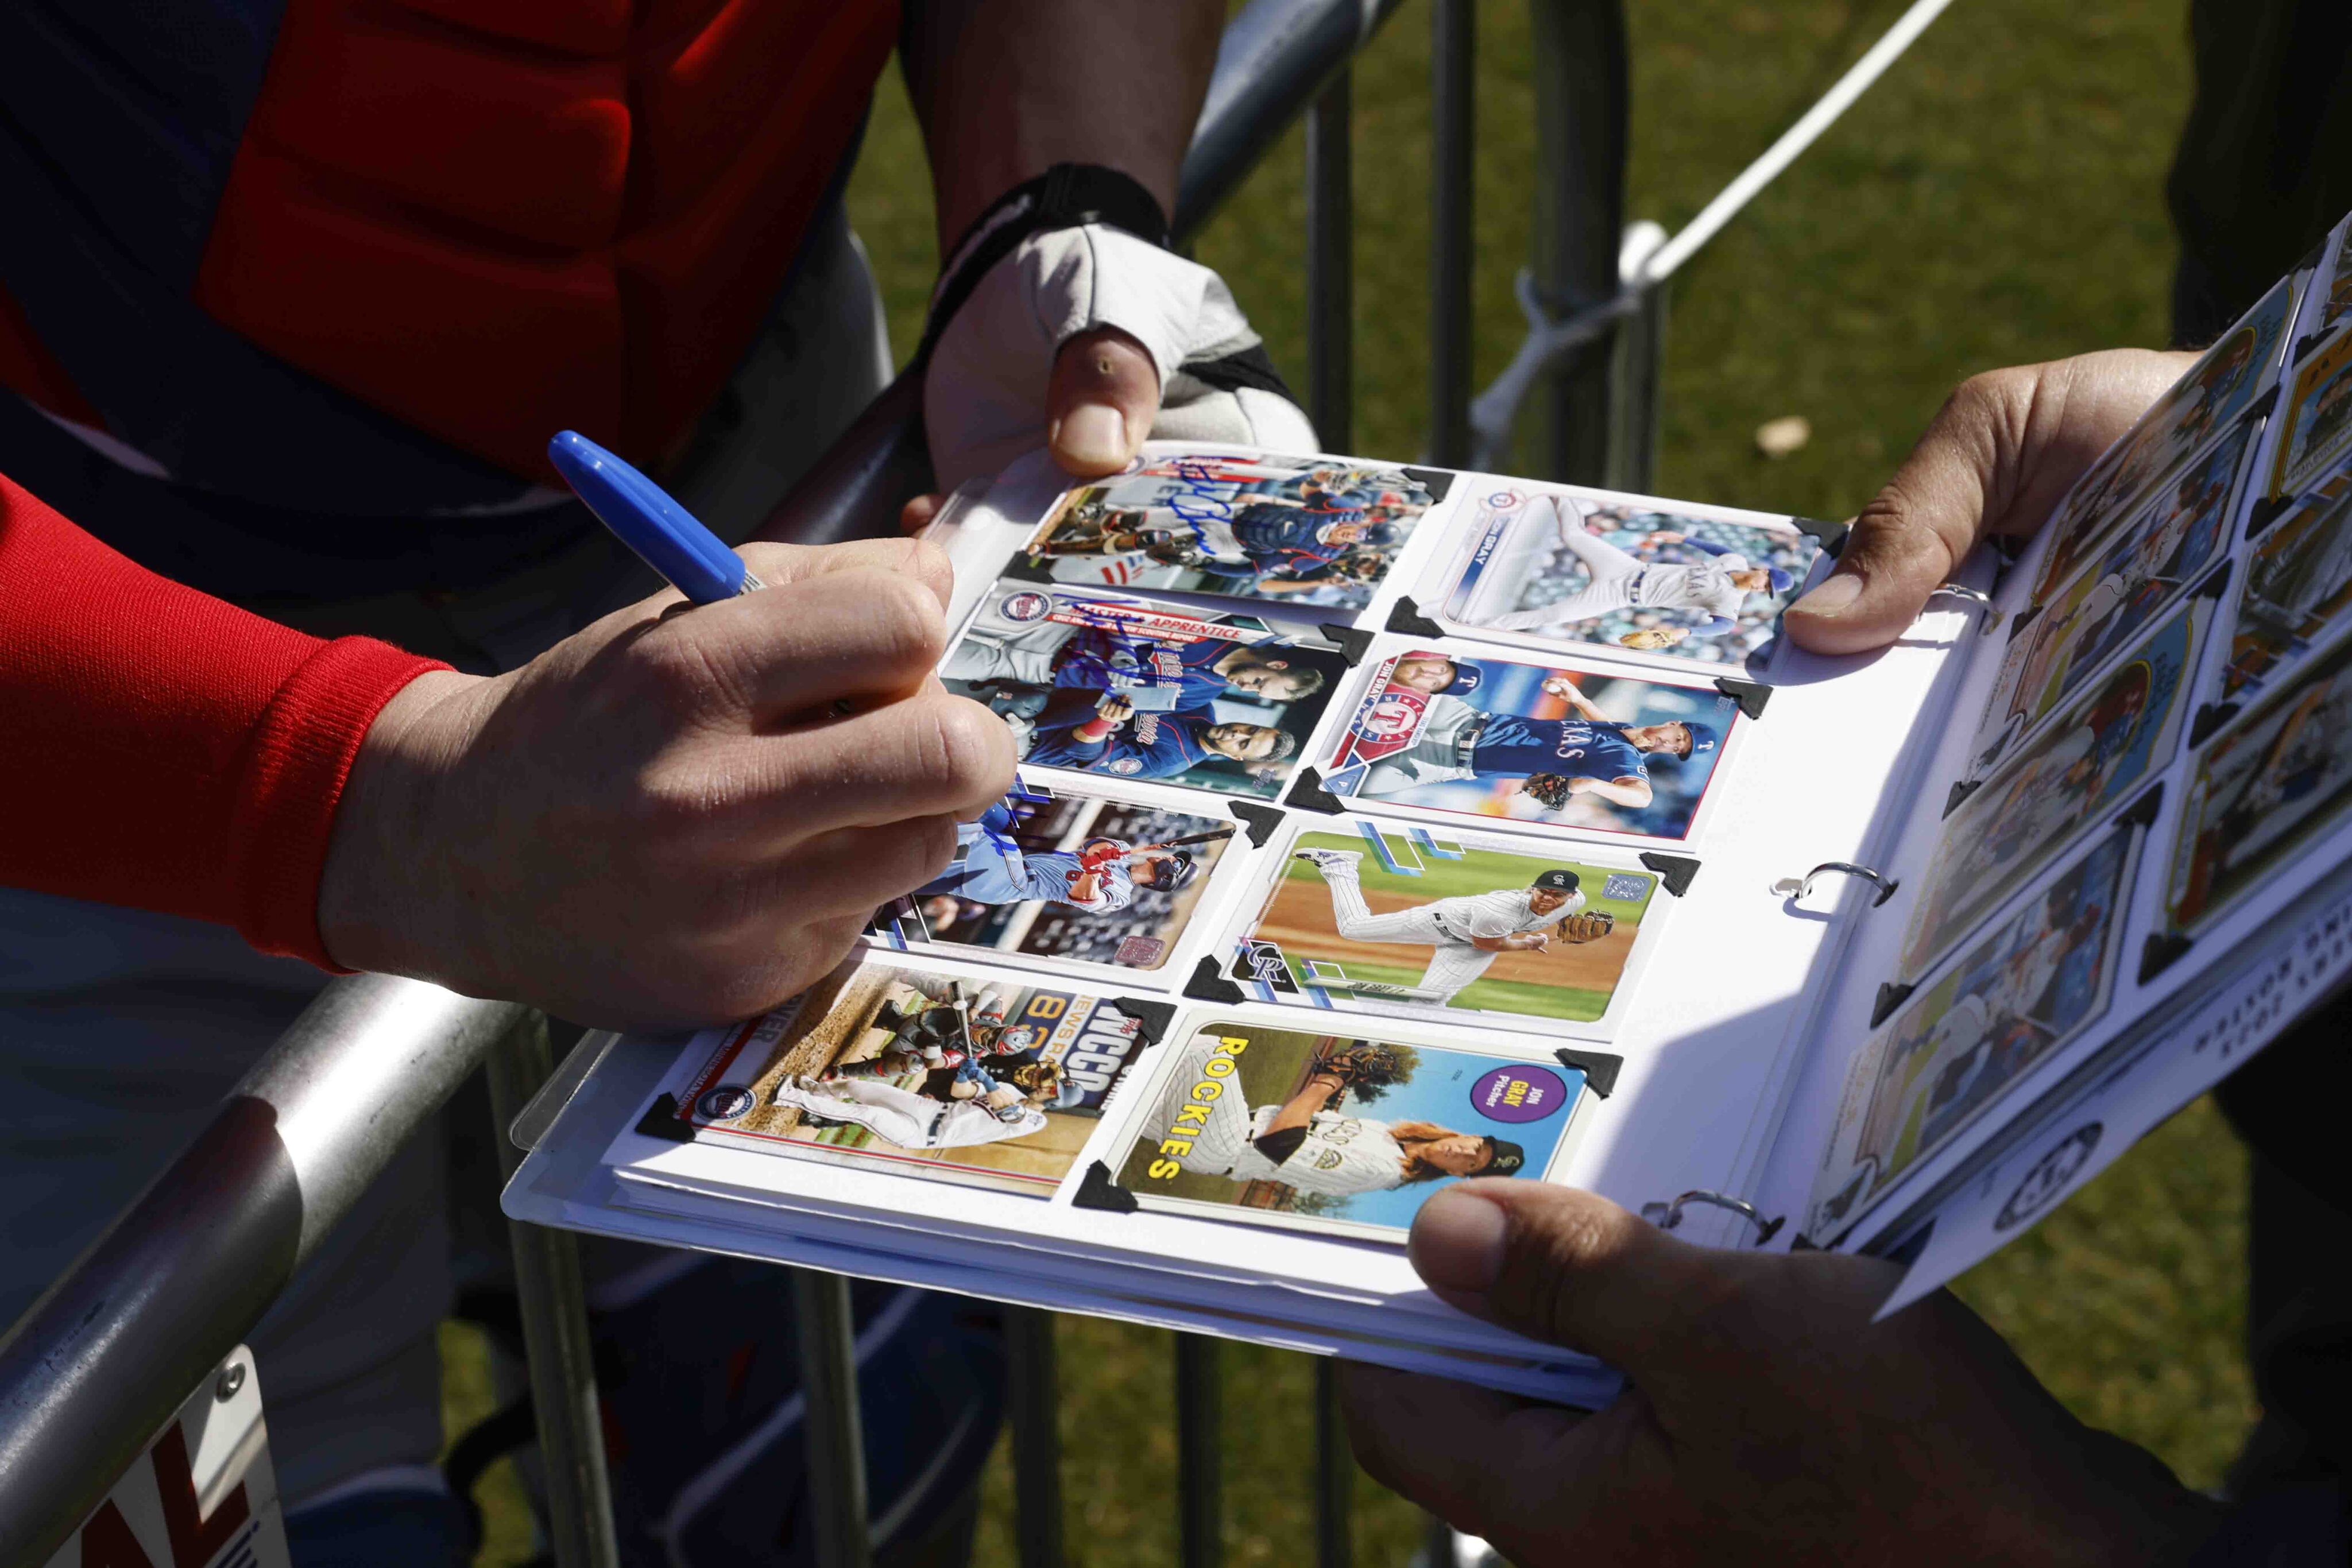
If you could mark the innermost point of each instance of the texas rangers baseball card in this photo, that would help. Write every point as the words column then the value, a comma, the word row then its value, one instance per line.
column 2004, row 1005
column 1684, row 584
column 2295, row 587
column 2096, row 753
column 1559, row 745
column 982, row 1081
column 2318, row 416
column 1126, row 687
column 1249, row 525
column 1401, row 922
column 2217, row 390
column 1066, row 877
column 1338, row 1132
column 2161, row 554
column 2265, row 785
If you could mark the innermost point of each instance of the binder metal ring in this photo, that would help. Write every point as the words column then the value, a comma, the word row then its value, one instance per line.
column 1672, row 1218
column 1976, row 596
column 1802, row 886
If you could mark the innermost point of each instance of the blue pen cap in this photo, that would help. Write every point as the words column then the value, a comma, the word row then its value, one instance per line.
column 663, row 534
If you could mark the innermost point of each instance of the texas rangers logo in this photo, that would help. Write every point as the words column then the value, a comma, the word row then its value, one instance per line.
column 1024, row 607
column 1394, row 714
column 2049, row 1178
column 1507, row 501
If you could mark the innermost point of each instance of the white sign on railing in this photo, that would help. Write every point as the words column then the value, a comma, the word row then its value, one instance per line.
column 202, row 1496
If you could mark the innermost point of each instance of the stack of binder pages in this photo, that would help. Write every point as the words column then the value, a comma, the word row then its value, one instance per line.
column 1382, row 826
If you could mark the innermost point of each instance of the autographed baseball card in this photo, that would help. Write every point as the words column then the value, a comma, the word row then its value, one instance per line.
column 2141, row 572
column 2003, row 1005
column 1533, row 743
column 1404, row 923
column 1126, row 688
column 2094, row 754
column 1338, row 1132
column 2217, row 390
column 1085, row 878
column 2276, row 776
column 989, row 1082
column 1690, row 585
column 1260, row 525
column 2297, row 583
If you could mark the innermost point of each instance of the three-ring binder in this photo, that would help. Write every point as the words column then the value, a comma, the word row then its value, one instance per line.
column 1669, row 1215
column 1799, row 887
column 1976, row 596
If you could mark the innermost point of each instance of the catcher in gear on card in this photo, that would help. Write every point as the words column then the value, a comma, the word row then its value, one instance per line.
column 1466, row 931
column 1304, row 1143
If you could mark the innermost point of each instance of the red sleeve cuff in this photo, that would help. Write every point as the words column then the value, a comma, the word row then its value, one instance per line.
column 296, row 763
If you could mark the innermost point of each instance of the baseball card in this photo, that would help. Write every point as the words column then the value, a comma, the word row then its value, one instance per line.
column 2161, row 552
column 1690, row 584
column 1551, row 743
column 1403, row 923
column 2214, row 393
column 1294, row 531
column 2276, row 776
column 2318, row 416
column 1092, row 879
column 1335, row 1133
column 2004, row 1005
column 2330, row 307
column 1126, row 688
column 2097, row 752
column 2296, row 583
column 988, row 1082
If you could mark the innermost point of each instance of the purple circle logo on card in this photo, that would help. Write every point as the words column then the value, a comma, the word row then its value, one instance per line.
column 1026, row 606
column 1519, row 1095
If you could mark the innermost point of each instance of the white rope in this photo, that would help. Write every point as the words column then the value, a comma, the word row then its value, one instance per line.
column 1808, row 130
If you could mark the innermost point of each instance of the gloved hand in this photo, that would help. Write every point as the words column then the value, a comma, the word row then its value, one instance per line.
column 1089, row 341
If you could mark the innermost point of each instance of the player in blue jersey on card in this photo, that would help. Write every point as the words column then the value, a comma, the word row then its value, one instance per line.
column 1100, row 876
column 1105, row 734
column 1179, row 672
column 1589, row 754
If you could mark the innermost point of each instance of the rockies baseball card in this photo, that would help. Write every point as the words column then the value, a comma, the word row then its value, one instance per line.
column 1671, row 583
column 1404, row 921
column 2094, row 755
column 2318, row 416
column 1246, row 524
column 2295, row 589
column 2004, row 1005
column 1094, row 879
column 2265, row 785
column 1124, row 688
column 2161, row 554
column 986, row 1081
column 1569, row 746
column 1335, row 1132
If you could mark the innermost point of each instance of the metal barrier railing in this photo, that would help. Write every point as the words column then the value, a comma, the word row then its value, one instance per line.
column 108, row 1353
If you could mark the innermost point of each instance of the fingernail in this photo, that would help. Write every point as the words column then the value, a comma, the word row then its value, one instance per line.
column 1457, row 1241
column 1833, row 597
column 1092, row 433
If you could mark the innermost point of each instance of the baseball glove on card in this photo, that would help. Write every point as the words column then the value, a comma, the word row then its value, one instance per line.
column 1551, row 788
column 1364, row 1066
column 1587, row 925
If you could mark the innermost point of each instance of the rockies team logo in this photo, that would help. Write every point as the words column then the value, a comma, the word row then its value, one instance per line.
column 2049, row 1178
column 1026, row 607
column 725, row 1103
column 1263, row 962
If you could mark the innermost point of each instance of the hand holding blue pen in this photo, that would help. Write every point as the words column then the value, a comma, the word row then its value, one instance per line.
column 664, row 535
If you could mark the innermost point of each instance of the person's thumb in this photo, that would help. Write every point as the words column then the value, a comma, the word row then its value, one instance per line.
column 1577, row 1270
column 1101, row 401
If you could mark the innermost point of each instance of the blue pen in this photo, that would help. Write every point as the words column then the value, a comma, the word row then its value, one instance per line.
column 666, row 536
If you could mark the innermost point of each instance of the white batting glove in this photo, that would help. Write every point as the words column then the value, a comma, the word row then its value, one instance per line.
column 1088, row 342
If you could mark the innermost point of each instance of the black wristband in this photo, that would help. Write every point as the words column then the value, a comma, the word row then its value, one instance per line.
column 1064, row 196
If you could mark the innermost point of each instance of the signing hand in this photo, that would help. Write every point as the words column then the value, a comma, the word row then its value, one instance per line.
column 678, row 815
column 2005, row 449
column 1767, row 1420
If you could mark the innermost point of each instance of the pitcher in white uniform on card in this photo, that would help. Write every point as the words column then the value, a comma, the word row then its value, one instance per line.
column 1715, row 589
column 1468, row 932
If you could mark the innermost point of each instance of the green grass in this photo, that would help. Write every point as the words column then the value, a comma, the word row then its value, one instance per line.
column 1995, row 199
